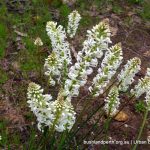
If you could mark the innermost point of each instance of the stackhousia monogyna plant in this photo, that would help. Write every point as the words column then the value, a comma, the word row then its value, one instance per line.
column 59, row 115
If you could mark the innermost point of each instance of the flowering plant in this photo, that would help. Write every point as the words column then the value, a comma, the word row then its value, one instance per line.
column 59, row 115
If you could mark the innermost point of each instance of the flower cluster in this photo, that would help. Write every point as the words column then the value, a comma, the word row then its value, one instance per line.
column 64, row 113
column 66, row 118
column 93, row 47
column 126, row 77
column 52, row 68
column 39, row 105
column 109, row 65
column 48, row 111
column 143, row 86
column 112, row 102
column 146, row 88
column 147, row 100
column 58, row 39
column 97, row 40
column 148, row 72
column 60, row 47
column 73, row 23
column 59, row 115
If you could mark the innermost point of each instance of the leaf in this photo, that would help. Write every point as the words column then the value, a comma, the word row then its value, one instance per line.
column 122, row 116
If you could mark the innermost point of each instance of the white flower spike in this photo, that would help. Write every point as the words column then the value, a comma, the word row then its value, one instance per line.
column 147, row 100
column 126, row 77
column 47, row 111
column 109, row 65
column 39, row 104
column 61, row 50
column 73, row 23
column 93, row 47
column 112, row 102
column 143, row 86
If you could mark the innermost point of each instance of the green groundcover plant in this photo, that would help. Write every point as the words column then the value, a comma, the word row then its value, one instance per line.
column 56, row 118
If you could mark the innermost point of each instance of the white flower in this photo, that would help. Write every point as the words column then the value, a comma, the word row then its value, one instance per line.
column 61, row 50
column 67, row 117
column 97, row 41
column 38, row 41
column 73, row 23
column 58, row 39
column 52, row 82
column 47, row 97
column 47, row 111
column 143, row 85
column 39, row 104
column 147, row 100
column 109, row 65
column 148, row 72
column 112, row 102
column 0, row 137
column 52, row 68
column 93, row 62
column 126, row 77
column 89, row 71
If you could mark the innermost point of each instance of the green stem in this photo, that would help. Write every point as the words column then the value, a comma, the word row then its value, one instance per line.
column 87, row 104
column 91, row 129
column 91, row 115
column 38, row 68
column 51, row 132
column 84, row 109
column 106, row 127
column 43, row 137
column 81, row 114
column 114, row 116
column 62, row 140
column 141, row 128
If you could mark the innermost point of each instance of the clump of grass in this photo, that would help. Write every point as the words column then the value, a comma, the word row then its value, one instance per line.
column 56, row 3
column 64, row 12
column 4, row 135
column 145, row 12
column 140, row 106
column 29, row 62
column 135, row 1
column 29, row 66
column 101, row 3
column 128, row 21
column 81, row 5
column 29, row 45
column 85, row 21
column 117, row 9
column 3, row 76
column 3, row 39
